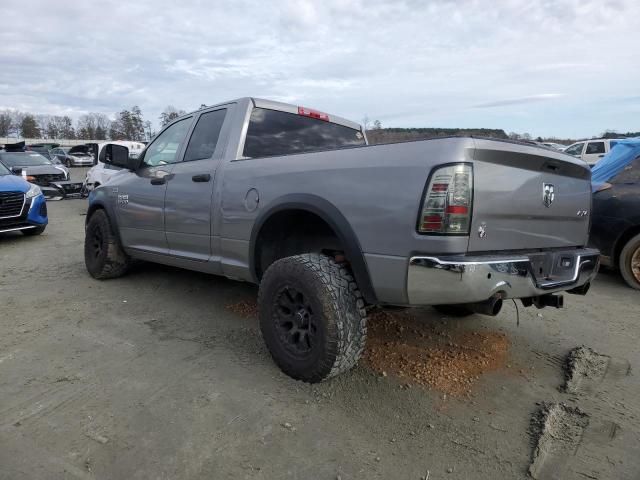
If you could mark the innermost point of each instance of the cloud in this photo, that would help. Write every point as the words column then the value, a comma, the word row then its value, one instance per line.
column 517, row 101
column 408, row 63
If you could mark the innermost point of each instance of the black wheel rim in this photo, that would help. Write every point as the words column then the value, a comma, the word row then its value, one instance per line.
column 97, row 242
column 295, row 321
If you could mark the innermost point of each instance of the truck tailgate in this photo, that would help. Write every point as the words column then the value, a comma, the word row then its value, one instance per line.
column 528, row 198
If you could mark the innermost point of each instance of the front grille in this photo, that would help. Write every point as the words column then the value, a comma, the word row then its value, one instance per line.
column 11, row 204
column 45, row 179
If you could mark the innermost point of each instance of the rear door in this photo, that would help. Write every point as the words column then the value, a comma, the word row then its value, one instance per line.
column 189, row 198
column 593, row 152
column 528, row 198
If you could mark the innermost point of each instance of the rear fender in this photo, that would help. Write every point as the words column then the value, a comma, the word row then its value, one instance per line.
column 334, row 218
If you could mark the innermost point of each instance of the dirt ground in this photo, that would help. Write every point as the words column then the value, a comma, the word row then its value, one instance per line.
column 162, row 374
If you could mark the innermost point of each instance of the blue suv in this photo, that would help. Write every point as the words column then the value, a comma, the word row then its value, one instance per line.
column 22, row 205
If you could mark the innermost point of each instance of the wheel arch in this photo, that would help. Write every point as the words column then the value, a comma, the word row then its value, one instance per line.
column 98, row 204
column 330, row 214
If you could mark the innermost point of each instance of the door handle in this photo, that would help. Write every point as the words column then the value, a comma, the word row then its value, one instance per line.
column 159, row 180
column 203, row 177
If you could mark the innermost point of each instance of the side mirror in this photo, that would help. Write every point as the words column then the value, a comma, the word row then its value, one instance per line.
column 16, row 170
column 119, row 156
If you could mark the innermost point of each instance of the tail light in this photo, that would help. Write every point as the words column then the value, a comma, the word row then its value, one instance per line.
column 448, row 201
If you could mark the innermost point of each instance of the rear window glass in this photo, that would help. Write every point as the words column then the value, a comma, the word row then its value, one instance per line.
column 272, row 132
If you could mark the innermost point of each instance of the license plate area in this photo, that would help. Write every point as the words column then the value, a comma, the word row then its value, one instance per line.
column 554, row 267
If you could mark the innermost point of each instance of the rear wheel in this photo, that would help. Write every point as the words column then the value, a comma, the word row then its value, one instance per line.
column 103, row 253
column 629, row 262
column 312, row 317
column 34, row 231
column 453, row 310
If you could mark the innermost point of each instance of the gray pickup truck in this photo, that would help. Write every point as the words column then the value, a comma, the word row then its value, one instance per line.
column 296, row 201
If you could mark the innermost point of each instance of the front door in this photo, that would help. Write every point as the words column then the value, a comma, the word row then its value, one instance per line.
column 189, row 197
column 141, row 194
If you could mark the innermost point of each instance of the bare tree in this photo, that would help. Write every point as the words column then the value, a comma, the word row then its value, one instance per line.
column 170, row 113
column 366, row 123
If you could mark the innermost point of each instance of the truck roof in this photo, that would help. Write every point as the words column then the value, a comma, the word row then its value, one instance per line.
column 287, row 107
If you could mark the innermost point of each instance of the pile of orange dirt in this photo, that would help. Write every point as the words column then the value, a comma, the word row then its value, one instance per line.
column 429, row 353
column 244, row 308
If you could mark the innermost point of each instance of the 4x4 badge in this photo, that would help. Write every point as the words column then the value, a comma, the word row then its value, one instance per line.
column 548, row 194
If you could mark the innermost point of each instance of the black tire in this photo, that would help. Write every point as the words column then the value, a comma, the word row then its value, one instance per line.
column 34, row 231
column 312, row 317
column 629, row 262
column 103, row 254
column 68, row 164
column 458, row 311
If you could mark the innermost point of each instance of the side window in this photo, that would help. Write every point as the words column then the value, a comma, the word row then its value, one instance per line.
column 165, row 147
column 594, row 148
column 575, row 150
column 630, row 173
column 205, row 136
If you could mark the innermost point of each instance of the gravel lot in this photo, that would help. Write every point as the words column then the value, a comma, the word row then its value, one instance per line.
column 161, row 374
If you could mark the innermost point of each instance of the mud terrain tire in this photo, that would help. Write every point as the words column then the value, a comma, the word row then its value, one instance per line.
column 103, row 254
column 312, row 317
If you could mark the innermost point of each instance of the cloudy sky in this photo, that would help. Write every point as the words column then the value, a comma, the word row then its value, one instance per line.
column 563, row 68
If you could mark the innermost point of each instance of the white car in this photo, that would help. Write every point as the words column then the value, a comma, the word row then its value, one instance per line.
column 101, row 173
column 591, row 150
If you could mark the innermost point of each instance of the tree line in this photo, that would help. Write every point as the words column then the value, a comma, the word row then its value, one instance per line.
column 128, row 124
column 376, row 134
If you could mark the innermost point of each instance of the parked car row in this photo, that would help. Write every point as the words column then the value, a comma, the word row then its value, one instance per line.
column 53, row 179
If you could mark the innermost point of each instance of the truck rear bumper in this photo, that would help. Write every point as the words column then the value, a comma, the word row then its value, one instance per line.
column 467, row 279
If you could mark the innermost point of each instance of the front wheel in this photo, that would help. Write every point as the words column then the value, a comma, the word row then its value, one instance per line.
column 312, row 317
column 629, row 262
column 103, row 253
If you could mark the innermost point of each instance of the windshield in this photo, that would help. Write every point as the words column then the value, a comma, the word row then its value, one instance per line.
column 23, row 159
column 4, row 170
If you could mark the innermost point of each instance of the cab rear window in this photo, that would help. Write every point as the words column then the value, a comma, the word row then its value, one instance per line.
column 272, row 132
